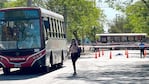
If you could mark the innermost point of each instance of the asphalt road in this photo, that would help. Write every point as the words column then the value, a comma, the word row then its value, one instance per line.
column 90, row 70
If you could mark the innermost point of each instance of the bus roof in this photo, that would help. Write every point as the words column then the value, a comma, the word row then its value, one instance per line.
column 48, row 12
column 122, row 34
column 44, row 11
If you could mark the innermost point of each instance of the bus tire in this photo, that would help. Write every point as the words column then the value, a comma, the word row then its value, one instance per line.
column 51, row 59
column 6, row 71
column 46, row 69
column 62, row 60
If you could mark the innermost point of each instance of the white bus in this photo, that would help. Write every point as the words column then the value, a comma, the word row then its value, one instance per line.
column 31, row 37
column 121, row 39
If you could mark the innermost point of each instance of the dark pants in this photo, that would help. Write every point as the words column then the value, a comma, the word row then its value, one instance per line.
column 141, row 53
column 74, row 57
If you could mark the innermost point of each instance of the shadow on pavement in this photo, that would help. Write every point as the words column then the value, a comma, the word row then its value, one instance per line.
column 27, row 74
column 112, row 75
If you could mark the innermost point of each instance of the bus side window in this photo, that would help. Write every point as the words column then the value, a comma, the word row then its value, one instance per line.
column 56, row 29
column 46, row 27
column 50, row 28
column 60, row 29
column 45, row 34
column 53, row 27
column 63, row 31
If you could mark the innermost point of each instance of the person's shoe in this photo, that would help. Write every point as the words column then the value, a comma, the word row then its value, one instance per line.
column 74, row 73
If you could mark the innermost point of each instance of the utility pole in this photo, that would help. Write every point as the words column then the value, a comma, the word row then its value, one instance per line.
column 94, row 28
column 65, row 18
column 29, row 3
column 118, row 21
column 145, row 2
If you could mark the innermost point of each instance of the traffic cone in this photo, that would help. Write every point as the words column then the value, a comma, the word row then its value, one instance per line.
column 145, row 53
column 95, row 55
column 126, row 53
column 110, row 55
column 102, row 52
column 98, row 53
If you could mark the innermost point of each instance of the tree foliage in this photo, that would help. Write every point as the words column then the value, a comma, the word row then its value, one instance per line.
column 23, row 3
column 81, row 15
column 118, row 4
column 15, row 3
column 120, row 25
column 136, row 15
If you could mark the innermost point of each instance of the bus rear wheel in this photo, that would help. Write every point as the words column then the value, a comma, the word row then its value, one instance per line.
column 46, row 69
column 6, row 71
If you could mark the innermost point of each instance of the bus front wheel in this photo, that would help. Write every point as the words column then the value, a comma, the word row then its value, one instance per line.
column 6, row 70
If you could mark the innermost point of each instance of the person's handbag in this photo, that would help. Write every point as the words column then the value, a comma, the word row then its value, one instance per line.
column 79, row 51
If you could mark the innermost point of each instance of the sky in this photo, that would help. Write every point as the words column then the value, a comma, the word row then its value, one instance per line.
column 109, row 12
column 110, row 15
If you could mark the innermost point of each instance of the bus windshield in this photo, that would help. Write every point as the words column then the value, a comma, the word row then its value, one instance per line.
column 19, row 29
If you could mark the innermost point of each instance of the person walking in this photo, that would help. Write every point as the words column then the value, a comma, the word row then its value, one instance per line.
column 142, row 47
column 74, row 50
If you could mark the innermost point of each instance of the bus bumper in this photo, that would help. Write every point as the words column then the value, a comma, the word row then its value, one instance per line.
column 21, row 61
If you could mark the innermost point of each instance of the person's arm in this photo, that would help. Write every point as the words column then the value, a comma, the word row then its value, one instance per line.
column 69, row 50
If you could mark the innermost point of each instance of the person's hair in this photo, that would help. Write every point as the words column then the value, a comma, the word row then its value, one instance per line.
column 73, row 41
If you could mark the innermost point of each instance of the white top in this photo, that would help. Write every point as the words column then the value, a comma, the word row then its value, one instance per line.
column 73, row 49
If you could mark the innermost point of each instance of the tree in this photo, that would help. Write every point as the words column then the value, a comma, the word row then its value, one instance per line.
column 16, row 3
column 20, row 3
column 2, row 2
column 138, row 16
column 120, row 25
column 81, row 16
